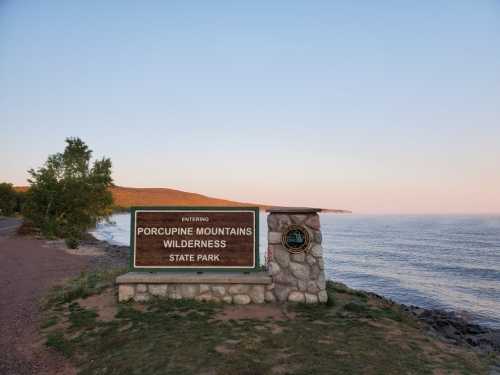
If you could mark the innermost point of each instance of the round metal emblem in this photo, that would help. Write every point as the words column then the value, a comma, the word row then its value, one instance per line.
column 295, row 238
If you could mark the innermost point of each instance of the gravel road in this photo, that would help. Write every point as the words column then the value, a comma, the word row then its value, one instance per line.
column 28, row 268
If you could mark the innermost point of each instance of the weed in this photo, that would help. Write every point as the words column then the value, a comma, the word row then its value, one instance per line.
column 81, row 318
column 49, row 322
column 356, row 307
column 57, row 341
column 87, row 284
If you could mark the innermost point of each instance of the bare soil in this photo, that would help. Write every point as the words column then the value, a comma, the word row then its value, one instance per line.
column 255, row 312
column 104, row 304
column 28, row 268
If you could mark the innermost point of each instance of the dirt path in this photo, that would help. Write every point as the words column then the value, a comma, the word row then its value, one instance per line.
column 28, row 267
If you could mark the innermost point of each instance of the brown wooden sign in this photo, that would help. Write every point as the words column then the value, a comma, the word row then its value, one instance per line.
column 199, row 238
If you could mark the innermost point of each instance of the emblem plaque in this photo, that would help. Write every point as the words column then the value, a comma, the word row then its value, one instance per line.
column 296, row 239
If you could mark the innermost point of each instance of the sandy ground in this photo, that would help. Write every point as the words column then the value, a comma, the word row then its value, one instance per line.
column 28, row 268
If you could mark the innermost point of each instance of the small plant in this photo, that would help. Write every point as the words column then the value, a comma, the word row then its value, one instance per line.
column 81, row 318
column 85, row 285
column 57, row 341
column 356, row 307
column 331, row 297
column 72, row 243
column 8, row 199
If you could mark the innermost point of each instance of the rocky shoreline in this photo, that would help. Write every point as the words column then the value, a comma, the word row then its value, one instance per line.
column 456, row 329
column 450, row 326
column 111, row 255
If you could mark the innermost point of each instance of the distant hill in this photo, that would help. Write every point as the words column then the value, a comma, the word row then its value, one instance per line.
column 125, row 197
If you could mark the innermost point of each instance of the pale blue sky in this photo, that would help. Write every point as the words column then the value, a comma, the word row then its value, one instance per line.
column 372, row 106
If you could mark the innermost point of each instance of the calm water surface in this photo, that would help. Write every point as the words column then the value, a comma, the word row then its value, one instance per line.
column 449, row 262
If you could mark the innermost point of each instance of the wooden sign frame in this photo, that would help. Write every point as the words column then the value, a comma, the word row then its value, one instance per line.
column 133, row 224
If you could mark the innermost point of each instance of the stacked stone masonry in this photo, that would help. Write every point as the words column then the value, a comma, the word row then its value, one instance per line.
column 296, row 277
column 240, row 294
column 236, row 288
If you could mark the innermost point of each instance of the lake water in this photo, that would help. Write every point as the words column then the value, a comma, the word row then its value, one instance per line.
column 448, row 262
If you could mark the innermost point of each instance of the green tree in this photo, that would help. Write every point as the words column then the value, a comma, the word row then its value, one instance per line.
column 8, row 199
column 68, row 195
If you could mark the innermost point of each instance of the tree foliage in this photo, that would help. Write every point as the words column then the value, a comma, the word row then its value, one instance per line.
column 68, row 195
column 8, row 199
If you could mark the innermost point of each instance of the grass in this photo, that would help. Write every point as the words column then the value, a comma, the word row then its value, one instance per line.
column 56, row 340
column 355, row 334
column 87, row 284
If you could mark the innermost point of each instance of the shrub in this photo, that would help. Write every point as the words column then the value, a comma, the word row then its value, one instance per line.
column 68, row 195
column 72, row 243
column 8, row 199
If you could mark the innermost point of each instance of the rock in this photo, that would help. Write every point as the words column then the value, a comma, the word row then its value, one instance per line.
column 300, row 257
column 300, row 271
column 321, row 263
column 238, row 289
column 321, row 282
column 188, row 290
column 317, row 251
column 257, row 294
column 418, row 311
column 274, row 268
column 311, row 298
column 227, row 299
column 296, row 297
column 125, row 292
column 323, row 296
column 298, row 219
column 474, row 329
column 206, row 297
column 204, row 288
column 494, row 370
column 241, row 299
column 173, row 292
column 159, row 290
column 494, row 338
column 274, row 238
column 313, row 222
column 451, row 332
column 302, row 284
column 141, row 288
column 318, row 237
column 219, row 290
column 269, row 297
column 285, row 278
column 281, row 292
column 456, row 328
column 315, row 271
column 141, row 297
column 473, row 340
column 310, row 260
column 278, row 222
column 282, row 256
column 312, row 287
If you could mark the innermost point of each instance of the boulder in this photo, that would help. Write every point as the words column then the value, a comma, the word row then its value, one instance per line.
column 296, row 297
column 241, row 299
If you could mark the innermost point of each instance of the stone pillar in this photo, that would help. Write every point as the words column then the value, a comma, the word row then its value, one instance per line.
column 295, row 256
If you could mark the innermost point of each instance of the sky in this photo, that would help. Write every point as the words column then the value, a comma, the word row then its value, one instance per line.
column 377, row 107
